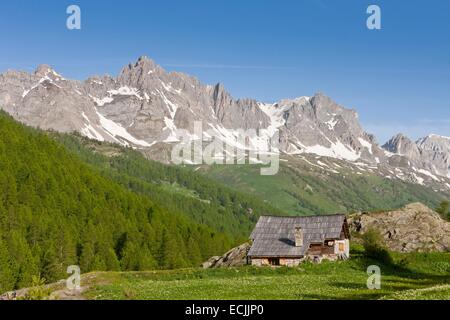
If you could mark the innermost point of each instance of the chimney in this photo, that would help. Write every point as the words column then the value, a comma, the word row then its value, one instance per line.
column 298, row 237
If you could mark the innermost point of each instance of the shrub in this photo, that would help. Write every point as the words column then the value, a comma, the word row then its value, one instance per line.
column 38, row 291
column 443, row 210
column 374, row 247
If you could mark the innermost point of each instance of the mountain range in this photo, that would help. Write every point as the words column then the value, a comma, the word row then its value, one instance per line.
column 81, row 186
column 144, row 106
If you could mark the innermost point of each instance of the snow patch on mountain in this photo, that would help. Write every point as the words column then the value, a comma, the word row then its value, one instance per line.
column 170, row 125
column 116, row 130
column 275, row 114
column 366, row 144
column 103, row 101
column 336, row 150
column 331, row 123
column 169, row 88
column 89, row 131
column 429, row 174
column 125, row 91
column 41, row 81
column 172, row 107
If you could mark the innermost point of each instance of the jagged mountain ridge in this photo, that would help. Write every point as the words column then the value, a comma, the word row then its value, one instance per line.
column 144, row 106
column 427, row 155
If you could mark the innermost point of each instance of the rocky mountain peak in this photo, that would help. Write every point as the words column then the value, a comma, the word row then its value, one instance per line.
column 434, row 142
column 219, row 94
column 324, row 105
column 46, row 71
column 400, row 144
column 43, row 69
column 431, row 153
column 436, row 149
column 146, row 63
column 320, row 98
column 144, row 67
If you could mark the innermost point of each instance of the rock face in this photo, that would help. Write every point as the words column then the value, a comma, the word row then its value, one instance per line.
column 431, row 153
column 236, row 257
column 319, row 125
column 402, row 145
column 412, row 228
column 144, row 106
column 435, row 151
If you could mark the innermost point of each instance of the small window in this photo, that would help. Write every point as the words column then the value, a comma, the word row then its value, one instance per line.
column 274, row 261
column 341, row 247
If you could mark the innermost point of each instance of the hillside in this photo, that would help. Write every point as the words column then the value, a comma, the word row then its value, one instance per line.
column 313, row 185
column 176, row 188
column 57, row 211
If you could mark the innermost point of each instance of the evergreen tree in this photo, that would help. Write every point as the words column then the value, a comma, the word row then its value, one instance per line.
column 443, row 210
column 170, row 253
column 87, row 257
column 193, row 252
column 24, row 263
column 7, row 278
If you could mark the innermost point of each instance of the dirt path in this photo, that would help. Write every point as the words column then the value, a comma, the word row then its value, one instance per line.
column 59, row 290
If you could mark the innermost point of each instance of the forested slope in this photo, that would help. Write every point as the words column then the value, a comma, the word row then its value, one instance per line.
column 179, row 189
column 57, row 211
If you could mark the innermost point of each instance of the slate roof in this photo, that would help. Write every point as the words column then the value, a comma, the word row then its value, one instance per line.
column 274, row 236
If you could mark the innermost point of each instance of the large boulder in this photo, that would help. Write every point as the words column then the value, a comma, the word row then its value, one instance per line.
column 234, row 258
column 413, row 228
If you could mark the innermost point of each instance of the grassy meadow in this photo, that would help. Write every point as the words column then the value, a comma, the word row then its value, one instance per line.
column 411, row 276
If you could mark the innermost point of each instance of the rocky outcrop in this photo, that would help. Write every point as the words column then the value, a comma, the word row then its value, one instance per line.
column 413, row 228
column 234, row 258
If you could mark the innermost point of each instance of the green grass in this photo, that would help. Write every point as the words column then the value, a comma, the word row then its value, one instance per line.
column 414, row 276
column 176, row 188
column 299, row 188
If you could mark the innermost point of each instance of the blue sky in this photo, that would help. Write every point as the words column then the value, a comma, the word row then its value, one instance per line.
column 397, row 78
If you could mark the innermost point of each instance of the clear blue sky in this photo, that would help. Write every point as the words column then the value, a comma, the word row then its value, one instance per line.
column 398, row 78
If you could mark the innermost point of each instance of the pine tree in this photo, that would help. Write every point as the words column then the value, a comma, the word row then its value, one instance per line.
column 87, row 257
column 193, row 252
column 51, row 267
column 171, row 254
column 24, row 263
column 7, row 279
